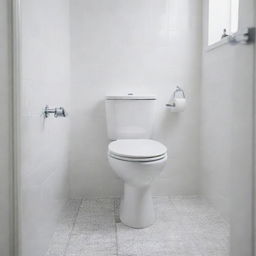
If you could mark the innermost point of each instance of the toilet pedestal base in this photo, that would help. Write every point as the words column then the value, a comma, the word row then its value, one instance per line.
column 137, row 209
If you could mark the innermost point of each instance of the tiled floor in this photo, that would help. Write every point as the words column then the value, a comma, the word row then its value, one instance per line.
column 185, row 226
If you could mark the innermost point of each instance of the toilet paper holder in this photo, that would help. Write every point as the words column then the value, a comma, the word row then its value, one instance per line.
column 177, row 90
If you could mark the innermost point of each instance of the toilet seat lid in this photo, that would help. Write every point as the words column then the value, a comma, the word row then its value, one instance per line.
column 137, row 148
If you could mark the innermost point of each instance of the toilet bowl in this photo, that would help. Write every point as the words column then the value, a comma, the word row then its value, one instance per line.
column 133, row 156
column 138, row 162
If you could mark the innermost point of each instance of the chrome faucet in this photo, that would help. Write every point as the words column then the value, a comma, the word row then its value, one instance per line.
column 58, row 112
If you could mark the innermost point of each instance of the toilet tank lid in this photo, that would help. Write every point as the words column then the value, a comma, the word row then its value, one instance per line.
column 131, row 96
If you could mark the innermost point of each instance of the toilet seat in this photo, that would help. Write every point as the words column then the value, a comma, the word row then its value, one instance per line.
column 137, row 150
column 149, row 159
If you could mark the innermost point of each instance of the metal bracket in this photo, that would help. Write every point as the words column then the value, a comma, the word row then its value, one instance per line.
column 243, row 36
column 177, row 90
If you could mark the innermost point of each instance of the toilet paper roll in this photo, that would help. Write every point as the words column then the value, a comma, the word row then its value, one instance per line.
column 180, row 105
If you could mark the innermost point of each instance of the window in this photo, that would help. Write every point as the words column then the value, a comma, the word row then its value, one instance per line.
column 223, row 16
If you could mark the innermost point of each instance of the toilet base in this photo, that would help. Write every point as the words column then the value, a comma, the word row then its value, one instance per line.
column 137, row 209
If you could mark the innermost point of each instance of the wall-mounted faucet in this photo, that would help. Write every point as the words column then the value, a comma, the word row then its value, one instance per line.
column 58, row 112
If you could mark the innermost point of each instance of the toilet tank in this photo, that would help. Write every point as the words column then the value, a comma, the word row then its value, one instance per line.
column 130, row 116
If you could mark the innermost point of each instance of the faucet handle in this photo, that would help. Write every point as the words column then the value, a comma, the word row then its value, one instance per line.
column 60, row 112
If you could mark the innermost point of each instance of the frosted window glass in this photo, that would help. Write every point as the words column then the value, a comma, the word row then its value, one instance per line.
column 234, row 15
column 223, row 14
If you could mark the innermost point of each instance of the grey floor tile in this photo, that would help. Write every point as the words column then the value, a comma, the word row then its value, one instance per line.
column 210, row 230
column 185, row 226
column 90, row 224
column 58, row 245
column 95, row 216
column 97, row 207
column 64, row 228
column 92, row 245
column 160, row 239
column 212, row 242
column 94, row 232
column 164, row 208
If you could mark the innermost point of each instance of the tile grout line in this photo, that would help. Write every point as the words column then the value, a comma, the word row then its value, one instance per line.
column 73, row 226
column 116, row 240
column 116, row 236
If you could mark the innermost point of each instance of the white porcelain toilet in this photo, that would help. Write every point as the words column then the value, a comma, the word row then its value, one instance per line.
column 134, row 157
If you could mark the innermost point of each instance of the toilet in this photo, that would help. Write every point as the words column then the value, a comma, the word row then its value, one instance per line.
column 133, row 155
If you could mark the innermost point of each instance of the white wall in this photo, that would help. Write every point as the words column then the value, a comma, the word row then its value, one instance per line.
column 45, row 79
column 140, row 46
column 216, row 125
column 6, row 245
column 226, row 131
